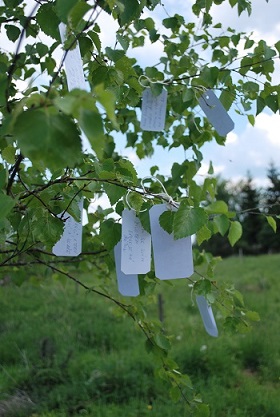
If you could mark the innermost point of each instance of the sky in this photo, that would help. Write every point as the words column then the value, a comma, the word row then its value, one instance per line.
column 247, row 148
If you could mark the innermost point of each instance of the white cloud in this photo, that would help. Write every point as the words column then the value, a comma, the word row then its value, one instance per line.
column 231, row 138
column 270, row 125
column 251, row 150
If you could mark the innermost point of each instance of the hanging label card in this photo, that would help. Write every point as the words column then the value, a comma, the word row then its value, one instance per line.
column 136, row 245
column 127, row 284
column 70, row 243
column 207, row 316
column 216, row 113
column 75, row 76
column 153, row 111
column 172, row 258
column 73, row 64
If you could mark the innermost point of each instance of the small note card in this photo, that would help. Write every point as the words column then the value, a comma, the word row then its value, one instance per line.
column 136, row 245
column 73, row 64
column 216, row 113
column 153, row 110
column 172, row 258
column 70, row 243
column 127, row 284
column 207, row 316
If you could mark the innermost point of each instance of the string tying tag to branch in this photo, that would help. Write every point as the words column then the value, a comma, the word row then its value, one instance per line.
column 164, row 195
column 150, row 81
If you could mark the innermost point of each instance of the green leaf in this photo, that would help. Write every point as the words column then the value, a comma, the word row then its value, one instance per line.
column 7, row 204
column 235, row 232
column 162, row 341
column 145, row 218
column 252, row 315
column 217, row 207
column 135, row 201
column 108, row 100
column 48, row 20
column 166, row 220
column 130, row 11
column 3, row 178
column 114, row 54
column 188, row 221
column 63, row 8
column 227, row 98
column 202, row 287
column 175, row 394
column 222, row 223
column 260, row 105
column 48, row 138
column 46, row 228
column 203, row 234
column 110, row 233
column 211, row 168
column 202, row 410
column 13, row 32
column 272, row 223
column 125, row 171
column 251, row 119
column 208, row 5
column 114, row 192
column 92, row 124
column 77, row 13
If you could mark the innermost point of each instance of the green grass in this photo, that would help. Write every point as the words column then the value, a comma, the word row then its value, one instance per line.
column 64, row 353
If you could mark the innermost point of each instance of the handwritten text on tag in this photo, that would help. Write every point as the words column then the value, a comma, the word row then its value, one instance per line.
column 136, row 245
column 127, row 284
column 70, row 243
column 216, row 113
column 172, row 258
column 153, row 110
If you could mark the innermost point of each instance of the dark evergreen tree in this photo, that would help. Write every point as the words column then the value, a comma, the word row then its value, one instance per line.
column 250, row 217
column 270, row 240
column 228, row 192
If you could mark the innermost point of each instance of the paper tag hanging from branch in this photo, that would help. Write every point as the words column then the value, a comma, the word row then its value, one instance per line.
column 135, row 246
column 207, row 316
column 73, row 64
column 172, row 258
column 127, row 284
column 70, row 243
column 153, row 110
column 216, row 113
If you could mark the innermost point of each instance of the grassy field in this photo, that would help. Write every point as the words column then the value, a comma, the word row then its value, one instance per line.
column 64, row 353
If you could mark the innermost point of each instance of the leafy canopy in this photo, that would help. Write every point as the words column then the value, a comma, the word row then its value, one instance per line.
column 44, row 169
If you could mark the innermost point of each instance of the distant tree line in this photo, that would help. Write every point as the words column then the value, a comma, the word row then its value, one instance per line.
column 251, row 204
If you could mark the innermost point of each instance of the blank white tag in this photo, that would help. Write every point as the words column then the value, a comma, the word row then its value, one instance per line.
column 172, row 258
column 73, row 64
column 207, row 316
column 127, row 284
column 136, row 245
column 70, row 243
column 216, row 113
column 153, row 110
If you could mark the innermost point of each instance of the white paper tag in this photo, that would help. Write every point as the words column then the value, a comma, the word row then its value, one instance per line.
column 153, row 110
column 216, row 113
column 70, row 243
column 136, row 245
column 207, row 316
column 127, row 284
column 73, row 64
column 75, row 76
column 172, row 258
